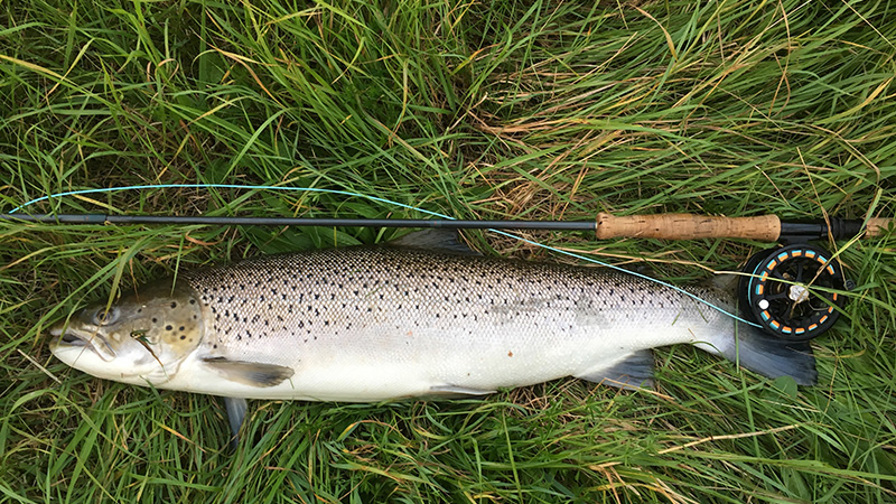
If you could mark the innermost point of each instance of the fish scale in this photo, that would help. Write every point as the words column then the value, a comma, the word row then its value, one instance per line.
column 387, row 322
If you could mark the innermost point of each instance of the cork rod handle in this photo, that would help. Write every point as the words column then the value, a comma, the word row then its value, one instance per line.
column 877, row 226
column 688, row 227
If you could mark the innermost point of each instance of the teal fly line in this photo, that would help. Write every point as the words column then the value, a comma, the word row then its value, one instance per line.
column 377, row 199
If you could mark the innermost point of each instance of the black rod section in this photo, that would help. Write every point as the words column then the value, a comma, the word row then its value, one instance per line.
column 301, row 221
column 839, row 229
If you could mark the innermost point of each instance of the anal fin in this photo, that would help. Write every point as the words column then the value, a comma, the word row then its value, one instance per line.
column 632, row 372
column 454, row 390
column 256, row 374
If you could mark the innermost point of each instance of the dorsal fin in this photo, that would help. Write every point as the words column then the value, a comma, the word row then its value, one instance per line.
column 442, row 240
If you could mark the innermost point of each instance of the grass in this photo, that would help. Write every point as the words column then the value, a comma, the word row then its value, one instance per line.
column 507, row 109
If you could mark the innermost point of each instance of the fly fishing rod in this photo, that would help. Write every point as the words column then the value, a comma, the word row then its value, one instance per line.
column 793, row 290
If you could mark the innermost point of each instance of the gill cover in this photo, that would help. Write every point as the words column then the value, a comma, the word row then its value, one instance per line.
column 141, row 338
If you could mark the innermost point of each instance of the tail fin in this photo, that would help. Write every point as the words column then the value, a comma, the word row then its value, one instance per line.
column 770, row 356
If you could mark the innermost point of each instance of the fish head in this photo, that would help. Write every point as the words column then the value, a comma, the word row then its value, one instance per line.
column 141, row 338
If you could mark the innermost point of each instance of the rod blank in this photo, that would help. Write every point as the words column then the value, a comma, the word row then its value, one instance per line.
column 768, row 228
column 302, row 221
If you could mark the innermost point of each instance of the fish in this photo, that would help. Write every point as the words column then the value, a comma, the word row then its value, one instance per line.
column 423, row 316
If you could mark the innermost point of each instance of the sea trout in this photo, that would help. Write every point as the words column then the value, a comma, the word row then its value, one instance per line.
column 389, row 322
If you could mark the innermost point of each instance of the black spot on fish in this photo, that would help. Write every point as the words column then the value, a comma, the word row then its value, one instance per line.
column 174, row 304
column 168, row 327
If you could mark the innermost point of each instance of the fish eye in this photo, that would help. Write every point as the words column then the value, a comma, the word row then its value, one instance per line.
column 102, row 317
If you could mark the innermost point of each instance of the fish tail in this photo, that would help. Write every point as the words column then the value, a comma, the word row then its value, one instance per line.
column 769, row 356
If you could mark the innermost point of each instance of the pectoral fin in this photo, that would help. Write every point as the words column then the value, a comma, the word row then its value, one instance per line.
column 236, row 412
column 256, row 374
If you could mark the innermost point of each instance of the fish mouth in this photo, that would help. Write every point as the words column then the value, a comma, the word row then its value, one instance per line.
column 70, row 338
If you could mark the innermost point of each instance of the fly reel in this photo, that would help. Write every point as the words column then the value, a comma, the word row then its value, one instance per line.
column 790, row 291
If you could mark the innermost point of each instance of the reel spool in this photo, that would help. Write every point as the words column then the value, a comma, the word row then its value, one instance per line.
column 787, row 291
